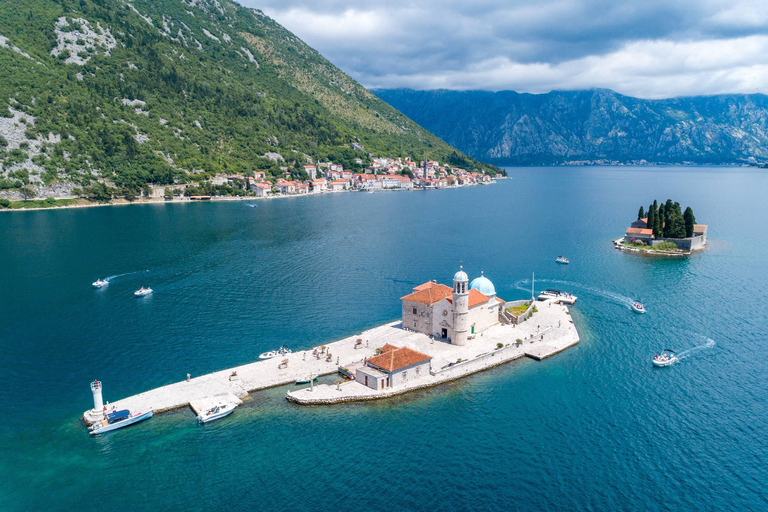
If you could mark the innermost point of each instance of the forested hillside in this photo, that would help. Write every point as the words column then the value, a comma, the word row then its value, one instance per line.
column 168, row 91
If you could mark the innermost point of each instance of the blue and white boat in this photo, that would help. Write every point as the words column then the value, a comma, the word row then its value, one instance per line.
column 216, row 412
column 143, row 292
column 119, row 419
column 562, row 259
column 307, row 380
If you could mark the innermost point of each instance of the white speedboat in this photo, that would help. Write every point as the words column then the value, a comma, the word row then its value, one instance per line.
column 666, row 358
column 216, row 412
column 142, row 292
column 562, row 259
column 274, row 353
column 559, row 296
column 638, row 307
column 119, row 419
column 100, row 283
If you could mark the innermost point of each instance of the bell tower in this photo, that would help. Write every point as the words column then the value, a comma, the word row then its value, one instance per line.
column 460, row 308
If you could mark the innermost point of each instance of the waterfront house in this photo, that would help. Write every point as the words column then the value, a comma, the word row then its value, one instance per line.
column 392, row 367
column 261, row 188
column 338, row 185
column 285, row 187
column 320, row 185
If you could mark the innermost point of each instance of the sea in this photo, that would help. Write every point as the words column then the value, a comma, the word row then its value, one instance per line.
column 595, row 428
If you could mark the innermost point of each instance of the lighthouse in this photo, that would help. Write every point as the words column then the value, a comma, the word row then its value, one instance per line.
column 98, row 402
column 460, row 308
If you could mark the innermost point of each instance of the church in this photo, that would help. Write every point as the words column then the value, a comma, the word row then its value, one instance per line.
column 453, row 314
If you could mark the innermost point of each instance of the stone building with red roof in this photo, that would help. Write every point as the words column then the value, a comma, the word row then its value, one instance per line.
column 393, row 366
column 453, row 314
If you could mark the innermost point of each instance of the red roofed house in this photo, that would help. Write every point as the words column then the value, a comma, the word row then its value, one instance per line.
column 453, row 314
column 646, row 235
column 392, row 367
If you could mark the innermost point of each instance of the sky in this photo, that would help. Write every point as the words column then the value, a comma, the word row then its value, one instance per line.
column 643, row 48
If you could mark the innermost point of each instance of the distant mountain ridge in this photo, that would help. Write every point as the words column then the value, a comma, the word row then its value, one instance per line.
column 163, row 91
column 510, row 128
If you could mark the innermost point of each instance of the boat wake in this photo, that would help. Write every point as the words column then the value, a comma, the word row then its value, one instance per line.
column 111, row 278
column 607, row 294
column 688, row 352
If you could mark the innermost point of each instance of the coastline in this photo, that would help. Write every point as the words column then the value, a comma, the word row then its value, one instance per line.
column 141, row 201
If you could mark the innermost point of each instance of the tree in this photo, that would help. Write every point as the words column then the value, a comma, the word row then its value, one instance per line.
column 675, row 227
column 4, row 203
column 641, row 213
column 690, row 220
column 651, row 224
column 27, row 193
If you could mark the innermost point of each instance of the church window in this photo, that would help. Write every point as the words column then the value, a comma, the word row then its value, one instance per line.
column 414, row 311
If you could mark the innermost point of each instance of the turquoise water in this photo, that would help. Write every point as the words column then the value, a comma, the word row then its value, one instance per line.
column 594, row 428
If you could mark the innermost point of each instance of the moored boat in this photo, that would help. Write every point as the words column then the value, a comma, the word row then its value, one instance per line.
column 141, row 292
column 119, row 419
column 100, row 283
column 274, row 353
column 666, row 358
column 558, row 295
column 216, row 412
column 307, row 380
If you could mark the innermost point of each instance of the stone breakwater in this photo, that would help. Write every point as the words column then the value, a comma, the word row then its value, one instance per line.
column 548, row 332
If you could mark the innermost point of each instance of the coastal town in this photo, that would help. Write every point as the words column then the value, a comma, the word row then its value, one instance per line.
column 383, row 174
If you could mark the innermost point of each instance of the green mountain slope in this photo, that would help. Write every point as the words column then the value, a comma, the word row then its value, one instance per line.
column 177, row 90
column 509, row 128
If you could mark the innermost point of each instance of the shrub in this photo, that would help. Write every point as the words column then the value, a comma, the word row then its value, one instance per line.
column 666, row 245
column 5, row 203
column 50, row 201
column 499, row 345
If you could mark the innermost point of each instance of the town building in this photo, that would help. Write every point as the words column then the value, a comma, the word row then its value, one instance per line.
column 454, row 314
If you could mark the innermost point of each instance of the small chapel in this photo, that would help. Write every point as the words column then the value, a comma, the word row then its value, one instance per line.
column 453, row 314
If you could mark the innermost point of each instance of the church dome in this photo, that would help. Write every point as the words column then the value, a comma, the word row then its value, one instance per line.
column 483, row 285
column 461, row 275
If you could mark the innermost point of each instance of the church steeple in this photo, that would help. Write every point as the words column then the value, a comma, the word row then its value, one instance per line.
column 460, row 307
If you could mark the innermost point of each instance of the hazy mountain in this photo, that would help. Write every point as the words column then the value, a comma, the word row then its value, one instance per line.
column 561, row 126
column 176, row 90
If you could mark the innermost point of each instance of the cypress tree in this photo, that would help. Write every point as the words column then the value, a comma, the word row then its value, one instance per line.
column 676, row 226
column 651, row 219
column 661, row 219
column 690, row 220
column 655, row 224
column 641, row 213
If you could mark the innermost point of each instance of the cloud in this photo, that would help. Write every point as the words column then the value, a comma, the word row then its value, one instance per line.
column 645, row 48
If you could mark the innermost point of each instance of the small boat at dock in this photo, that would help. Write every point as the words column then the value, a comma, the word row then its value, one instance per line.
column 100, row 283
column 143, row 292
column 274, row 353
column 216, row 412
column 307, row 380
column 666, row 358
column 562, row 259
column 638, row 307
column 119, row 419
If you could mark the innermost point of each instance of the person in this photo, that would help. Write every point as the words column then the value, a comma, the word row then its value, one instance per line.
column 188, row 376
column 104, row 412
column 337, row 360
column 304, row 356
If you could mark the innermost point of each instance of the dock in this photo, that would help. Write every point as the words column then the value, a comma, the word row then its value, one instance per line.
column 546, row 333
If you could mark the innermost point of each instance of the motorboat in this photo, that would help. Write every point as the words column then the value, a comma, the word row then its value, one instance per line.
column 142, row 292
column 562, row 259
column 119, row 419
column 216, row 412
column 638, row 307
column 666, row 358
column 307, row 380
column 558, row 296
column 100, row 283
column 282, row 351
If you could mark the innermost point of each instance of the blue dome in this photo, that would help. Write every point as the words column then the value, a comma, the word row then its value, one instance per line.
column 483, row 285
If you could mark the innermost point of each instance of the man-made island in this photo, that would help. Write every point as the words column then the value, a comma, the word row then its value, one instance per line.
column 664, row 230
column 445, row 333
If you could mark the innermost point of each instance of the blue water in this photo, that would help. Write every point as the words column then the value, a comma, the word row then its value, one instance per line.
column 594, row 428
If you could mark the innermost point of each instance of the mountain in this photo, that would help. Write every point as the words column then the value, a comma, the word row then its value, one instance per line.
column 168, row 91
column 509, row 128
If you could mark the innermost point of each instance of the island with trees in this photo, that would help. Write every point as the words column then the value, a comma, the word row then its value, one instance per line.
column 664, row 229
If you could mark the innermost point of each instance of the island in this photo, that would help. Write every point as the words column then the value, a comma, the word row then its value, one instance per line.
column 664, row 230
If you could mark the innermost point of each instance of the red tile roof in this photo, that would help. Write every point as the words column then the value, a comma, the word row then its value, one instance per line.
column 430, row 294
column 639, row 231
column 397, row 359
column 475, row 298
column 699, row 228
column 387, row 348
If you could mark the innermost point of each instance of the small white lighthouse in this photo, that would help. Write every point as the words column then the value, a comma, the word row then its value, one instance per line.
column 98, row 402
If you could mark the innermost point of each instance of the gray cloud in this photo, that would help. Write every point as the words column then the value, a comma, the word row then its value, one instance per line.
column 646, row 48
